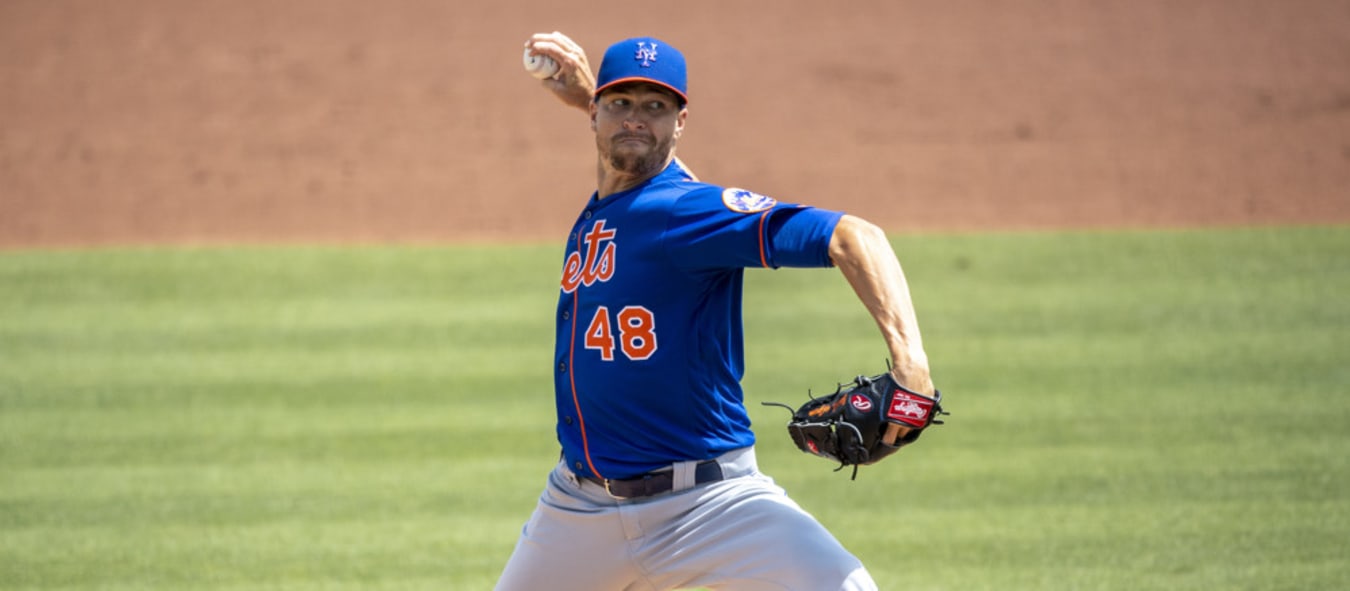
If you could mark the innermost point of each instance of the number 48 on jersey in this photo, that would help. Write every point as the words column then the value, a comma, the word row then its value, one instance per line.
column 636, row 334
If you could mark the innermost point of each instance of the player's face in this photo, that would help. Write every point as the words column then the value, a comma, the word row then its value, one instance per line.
column 636, row 127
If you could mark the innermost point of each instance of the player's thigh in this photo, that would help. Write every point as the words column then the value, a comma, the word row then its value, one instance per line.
column 751, row 536
column 568, row 545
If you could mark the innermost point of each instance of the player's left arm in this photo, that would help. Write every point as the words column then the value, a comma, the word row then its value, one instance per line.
column 867, row 260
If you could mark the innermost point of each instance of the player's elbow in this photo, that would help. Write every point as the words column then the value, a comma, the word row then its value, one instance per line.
column 854, row 235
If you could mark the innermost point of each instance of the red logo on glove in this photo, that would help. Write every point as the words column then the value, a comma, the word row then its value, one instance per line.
column 910, row 409
column 860, row 402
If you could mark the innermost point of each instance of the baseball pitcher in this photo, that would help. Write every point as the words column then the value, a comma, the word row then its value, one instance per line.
column 657, row 486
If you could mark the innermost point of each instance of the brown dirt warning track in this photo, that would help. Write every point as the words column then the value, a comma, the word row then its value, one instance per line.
column 214, row 121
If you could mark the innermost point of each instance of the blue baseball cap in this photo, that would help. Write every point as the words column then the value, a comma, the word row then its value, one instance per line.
column 643, row 59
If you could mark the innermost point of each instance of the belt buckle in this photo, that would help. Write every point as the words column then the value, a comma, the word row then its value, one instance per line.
column 611, row 493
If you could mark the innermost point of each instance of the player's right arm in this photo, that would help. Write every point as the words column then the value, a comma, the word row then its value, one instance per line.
column 574, row 84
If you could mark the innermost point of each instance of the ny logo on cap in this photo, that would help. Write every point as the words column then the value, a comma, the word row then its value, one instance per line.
column 645, row 54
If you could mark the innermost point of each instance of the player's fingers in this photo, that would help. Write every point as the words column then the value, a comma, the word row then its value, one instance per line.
column 893, row 433
column 575, row 68
column 571, row 46
column 573, row 58
column 557, row 41
column 557, row 38
column 539, row 37
column 564, row 44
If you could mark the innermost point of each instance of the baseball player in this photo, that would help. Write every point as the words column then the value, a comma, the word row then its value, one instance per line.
column 657, row 487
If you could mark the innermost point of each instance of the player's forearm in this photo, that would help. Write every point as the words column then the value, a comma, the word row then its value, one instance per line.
column 869, row 264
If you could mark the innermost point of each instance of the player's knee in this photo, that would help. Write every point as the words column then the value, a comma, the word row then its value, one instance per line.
column 859, row 580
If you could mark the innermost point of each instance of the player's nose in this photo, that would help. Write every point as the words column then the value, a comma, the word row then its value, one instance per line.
column 634, row 122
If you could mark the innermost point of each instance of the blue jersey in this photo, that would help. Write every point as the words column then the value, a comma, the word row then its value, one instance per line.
column 648, row 357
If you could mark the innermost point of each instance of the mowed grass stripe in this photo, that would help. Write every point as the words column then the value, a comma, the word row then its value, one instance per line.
column 1133, row 410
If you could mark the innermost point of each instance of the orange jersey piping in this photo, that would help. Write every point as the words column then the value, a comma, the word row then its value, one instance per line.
column 572, row 376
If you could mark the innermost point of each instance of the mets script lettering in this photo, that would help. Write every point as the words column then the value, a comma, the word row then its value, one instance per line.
column 598, row 265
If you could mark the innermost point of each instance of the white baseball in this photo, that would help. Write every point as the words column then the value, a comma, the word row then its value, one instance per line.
column 540, row 66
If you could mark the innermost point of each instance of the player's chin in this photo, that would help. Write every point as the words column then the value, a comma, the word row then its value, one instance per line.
column 631, row 148
column 634, row 161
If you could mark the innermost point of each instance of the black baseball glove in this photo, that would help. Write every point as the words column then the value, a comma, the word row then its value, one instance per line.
column 848, row 426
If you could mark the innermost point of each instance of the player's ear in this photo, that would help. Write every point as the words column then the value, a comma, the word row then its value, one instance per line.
column 679, row 122
column 593, row 110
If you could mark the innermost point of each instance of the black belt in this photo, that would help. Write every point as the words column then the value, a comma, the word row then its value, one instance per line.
column 655, row 483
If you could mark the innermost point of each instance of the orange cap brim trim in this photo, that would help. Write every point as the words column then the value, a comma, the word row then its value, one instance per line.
column 641, row 79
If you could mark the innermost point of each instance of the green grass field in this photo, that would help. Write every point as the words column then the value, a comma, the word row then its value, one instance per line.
column 1131, row 410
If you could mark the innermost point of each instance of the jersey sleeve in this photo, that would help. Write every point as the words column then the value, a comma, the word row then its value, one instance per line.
column 800, row 237
column 712, row 228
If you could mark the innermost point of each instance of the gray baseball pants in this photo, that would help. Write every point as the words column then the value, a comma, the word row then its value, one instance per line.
column 742, row 533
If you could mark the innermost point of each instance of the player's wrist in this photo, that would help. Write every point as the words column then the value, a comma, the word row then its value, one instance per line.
column 914, row 376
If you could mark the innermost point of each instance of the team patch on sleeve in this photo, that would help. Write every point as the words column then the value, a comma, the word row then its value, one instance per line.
column 742, row 201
